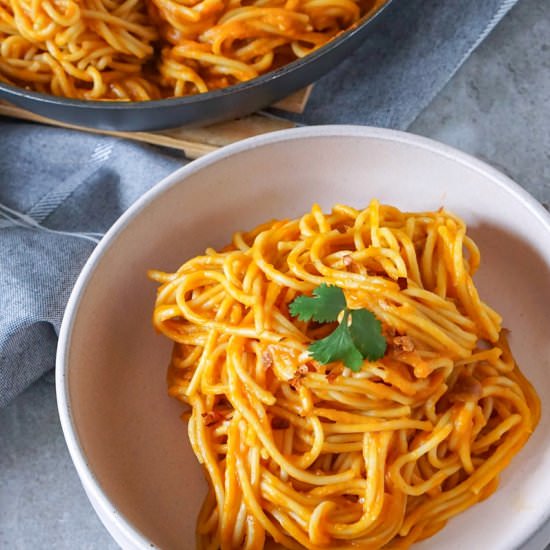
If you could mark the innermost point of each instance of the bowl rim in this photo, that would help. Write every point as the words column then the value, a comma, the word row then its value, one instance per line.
column 106, row 510
column 242, row 87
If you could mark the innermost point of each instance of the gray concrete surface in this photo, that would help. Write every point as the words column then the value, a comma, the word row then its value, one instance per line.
column 496, row 107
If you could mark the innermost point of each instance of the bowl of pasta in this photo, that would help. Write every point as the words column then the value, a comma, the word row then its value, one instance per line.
column 154, row 64
column 328, row 337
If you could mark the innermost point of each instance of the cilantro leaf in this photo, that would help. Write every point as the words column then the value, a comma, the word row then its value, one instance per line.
column 350, row 343
column 366, row 334
column 324, row 306
column 337, row 346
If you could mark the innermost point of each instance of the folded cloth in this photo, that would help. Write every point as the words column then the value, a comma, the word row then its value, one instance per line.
column 60, row 189
column 404, row 64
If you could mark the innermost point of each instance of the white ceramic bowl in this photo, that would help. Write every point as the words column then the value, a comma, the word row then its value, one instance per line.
column 124, row 434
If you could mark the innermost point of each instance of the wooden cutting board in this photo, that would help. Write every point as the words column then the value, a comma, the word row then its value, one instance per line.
column 194, row 142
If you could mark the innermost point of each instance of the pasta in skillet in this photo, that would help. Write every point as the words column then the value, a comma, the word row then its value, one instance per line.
column 136, row 50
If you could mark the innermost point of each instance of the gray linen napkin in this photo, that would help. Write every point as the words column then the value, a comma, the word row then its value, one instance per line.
column 60, row 189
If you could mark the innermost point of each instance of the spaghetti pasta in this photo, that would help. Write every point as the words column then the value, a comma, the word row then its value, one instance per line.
column 149, row 49
column 314, row 455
